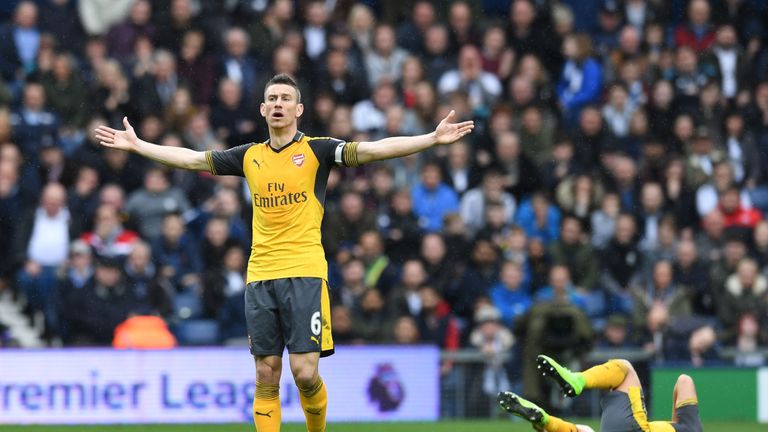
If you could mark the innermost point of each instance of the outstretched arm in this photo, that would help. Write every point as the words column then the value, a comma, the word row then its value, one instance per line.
column 126, row 140
column 388, row 148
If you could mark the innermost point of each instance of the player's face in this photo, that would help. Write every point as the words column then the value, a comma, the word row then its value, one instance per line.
column 281, row 107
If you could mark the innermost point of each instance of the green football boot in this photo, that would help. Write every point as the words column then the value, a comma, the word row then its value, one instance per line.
column 571, row 383
column 520, row 407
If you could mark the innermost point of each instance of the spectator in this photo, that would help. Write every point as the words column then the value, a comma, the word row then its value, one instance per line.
column 338, row 80
column 665, row 312
column 403, row 229
column 436, row 262
column 122, row 37
column 176, row 255
column 404, row 298
column 483, row 88
column 689, row 76
column 692, row 275
column 606, row 36
column 231, row 119
column 433, row 199
column 461, row 26
column 660, row 110
column 93, row 312
column 77, row 274
column 603, row 221
column 406, row 332
column 618, row 111
column 438, row 58
column 708, row 195
column 411, row 34
column 380, row 272
column 223, row 288
column 733, row 251
column 698, row 33
column 60, row 19
column 579, row 195
column 539, row 218
column 742, row 153
column 180, row 110
column 621, row 263
column 171, row 28
column 537, row 135
column 347, row 223
column 372, row 321
column 153, row 292
column 64, row 93
column 436, row 323
column 581, row 77
column 369, row 115
column 591, row 140
column 561, row 164
column 649, row 215
column 475, row 202
column 526, row 37
column 555, row 325
column 510, row 295
column 479, row 274
column 315, row 29
column 41, row 251
column 575, row 254
column 196, row 67
column 560, row 285
column 385, row 60
column 34, row 127
column 746, row 294
column 149, row 205
column 152, row 94
column 217, row 240
column 460, row 168
column 352, row 285
column 20, row 42
column 492, row 339
column 520, row 175
column 237, row 65
column 111, row 95
column 109, row 238
column 711, row 239
column 733, row 62
column 734, row 214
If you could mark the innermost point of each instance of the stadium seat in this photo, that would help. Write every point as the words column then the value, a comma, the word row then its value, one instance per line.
column 197, row 332
column 187, row 305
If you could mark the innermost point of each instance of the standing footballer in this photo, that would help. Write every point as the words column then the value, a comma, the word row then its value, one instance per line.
column 286, row 298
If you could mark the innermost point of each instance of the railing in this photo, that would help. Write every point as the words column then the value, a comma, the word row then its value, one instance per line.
column 462, row 392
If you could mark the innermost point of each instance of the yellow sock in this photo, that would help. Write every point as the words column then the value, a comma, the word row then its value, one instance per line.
column 606, row 376
column 266, row 408
column 660, row 426
column 314, row 400
column 555, row 424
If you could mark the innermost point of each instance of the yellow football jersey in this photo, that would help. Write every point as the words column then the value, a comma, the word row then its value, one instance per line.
column 288, row 192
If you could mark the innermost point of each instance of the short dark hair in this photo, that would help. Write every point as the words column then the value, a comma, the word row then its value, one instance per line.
column 284, row 79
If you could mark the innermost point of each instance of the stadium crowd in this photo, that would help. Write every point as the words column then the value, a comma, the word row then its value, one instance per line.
column 612, row 193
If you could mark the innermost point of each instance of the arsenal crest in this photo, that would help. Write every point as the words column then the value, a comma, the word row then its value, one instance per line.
column 298, row 159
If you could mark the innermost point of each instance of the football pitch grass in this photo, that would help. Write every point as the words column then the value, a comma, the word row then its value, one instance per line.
column 443, row 426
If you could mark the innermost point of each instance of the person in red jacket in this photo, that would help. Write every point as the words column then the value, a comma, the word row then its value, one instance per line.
column 698, row 33
column 734, row 214
column 143, row 332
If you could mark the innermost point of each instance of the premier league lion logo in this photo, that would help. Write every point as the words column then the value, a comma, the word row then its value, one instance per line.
column 385, row 388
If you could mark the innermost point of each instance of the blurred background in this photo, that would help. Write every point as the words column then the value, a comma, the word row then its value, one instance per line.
column 610, row 202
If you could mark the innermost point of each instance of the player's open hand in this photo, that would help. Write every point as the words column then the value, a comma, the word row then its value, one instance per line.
column 117, row 139
column 448, row 132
